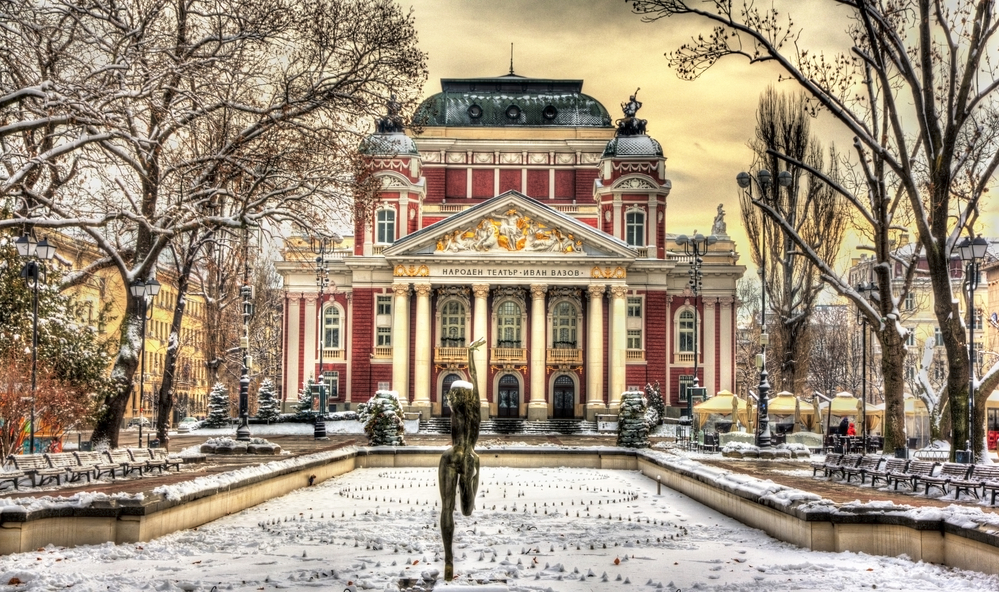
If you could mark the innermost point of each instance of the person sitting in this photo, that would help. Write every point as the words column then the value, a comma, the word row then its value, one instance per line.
column 852, row 430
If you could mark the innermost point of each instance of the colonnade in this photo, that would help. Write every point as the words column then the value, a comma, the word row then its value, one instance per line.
column 537, row 405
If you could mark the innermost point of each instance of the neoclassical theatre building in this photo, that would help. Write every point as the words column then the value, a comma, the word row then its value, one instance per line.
column 523, row 213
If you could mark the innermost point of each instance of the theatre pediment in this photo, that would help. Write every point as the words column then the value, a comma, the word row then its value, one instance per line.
column 510, row 224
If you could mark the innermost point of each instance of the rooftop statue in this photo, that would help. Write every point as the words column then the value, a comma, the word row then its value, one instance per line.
column 392, row 122
column 718, row 228
column 459, row 466
column 630, row 125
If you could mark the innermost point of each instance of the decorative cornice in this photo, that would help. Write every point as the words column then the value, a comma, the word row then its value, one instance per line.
column 411, row 271
column 608, row 272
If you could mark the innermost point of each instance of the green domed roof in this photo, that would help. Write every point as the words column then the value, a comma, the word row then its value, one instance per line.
column 640, row 145
column 511, row 100
column 388, row 144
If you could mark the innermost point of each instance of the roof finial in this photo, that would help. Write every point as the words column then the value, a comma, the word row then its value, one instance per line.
column 511, row 59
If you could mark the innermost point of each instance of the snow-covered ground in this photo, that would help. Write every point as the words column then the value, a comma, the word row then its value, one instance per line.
column 533, row 529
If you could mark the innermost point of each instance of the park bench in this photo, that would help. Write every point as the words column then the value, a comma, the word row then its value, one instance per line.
column 831, row 460
column 984, row 476
column 948, row 472
column 147, row 459
column 37, row 468
column 11, row 475
column 850, row 461
column 170, row 461
column 892, row 466
column 870, row 462
column 123, row 460
column 97, row 462
column 916, row 470
column 68, row 463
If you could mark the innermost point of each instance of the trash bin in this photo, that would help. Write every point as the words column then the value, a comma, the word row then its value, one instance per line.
column 901, row 453
column 962, row 456
column 154, row 443
column 86, row 446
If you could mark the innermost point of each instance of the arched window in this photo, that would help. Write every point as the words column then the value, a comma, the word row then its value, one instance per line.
column 508, row 325
column 385, row 226
column 687, row 331
column 445, row 387
column 331, row 328
column 564, row 326
column 634, row 228
column 453, row 324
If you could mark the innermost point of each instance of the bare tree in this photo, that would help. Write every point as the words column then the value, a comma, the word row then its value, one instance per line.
column 815, row 213
column 221, row 113
column 835, row 360
column 916, row 86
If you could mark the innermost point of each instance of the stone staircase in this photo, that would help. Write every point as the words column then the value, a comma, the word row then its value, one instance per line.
column 442, row 425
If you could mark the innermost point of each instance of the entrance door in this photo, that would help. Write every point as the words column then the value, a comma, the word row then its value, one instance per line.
column 509, row 396
column 564, row 398
column 445, row 387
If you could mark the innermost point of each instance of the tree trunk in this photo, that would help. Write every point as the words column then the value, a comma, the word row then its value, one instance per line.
column 893, row 370
column 112, row 410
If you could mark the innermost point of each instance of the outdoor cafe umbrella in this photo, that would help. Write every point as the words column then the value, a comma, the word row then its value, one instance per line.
column 785, row 404
column 721, row 404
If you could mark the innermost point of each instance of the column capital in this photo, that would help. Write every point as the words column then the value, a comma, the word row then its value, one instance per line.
column 596, row 291
column 538, row 291
column 726, row 301
column 401, row 289
column 292, row 296
column 480, row 290
column 619, row 291
column 422, row 290
column 709, row 302
column 310, row 299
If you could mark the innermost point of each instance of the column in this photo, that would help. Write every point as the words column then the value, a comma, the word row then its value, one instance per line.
column 618, row 345
column 726, row 345
column 652, row 226
column 310, row 360
column 422, row 356
column 293, row 380
column 537, row 408
column 402, row 224
column 595, row 353
column 709, row 347
column 400, row 342
column 480, row 328
column 618, row 221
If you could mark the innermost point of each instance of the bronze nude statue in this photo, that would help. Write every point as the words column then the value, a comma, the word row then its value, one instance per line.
column 459, row 466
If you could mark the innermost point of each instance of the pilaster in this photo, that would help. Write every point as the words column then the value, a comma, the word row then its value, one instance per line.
column 537, row 408
column 595, row 353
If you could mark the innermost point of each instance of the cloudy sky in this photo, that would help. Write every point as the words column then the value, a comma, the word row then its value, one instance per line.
column 703, row 126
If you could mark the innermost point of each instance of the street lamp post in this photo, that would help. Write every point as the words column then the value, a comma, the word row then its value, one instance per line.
column 972, row 251
column 695, row 247
column 745, row 181
column 322, row 246
column 867, row 290
column 140, row 291
column 246, row 291
column 36, row 254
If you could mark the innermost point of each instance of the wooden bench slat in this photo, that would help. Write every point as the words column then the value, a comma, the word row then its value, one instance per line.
column 69, row 463
column 868, row 463
column 892, row 466
column 37, row 467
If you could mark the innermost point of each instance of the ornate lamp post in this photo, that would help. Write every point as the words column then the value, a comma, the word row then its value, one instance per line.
column 745, row 181
column 35, row 255
column 246, row 291
column 972, row 251
column 868, row 290
column 141, row 291
column 322, row 246
column 695, row 247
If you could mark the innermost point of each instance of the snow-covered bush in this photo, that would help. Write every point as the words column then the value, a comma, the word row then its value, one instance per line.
column 218, row 407
column 382, row 418
column 267, row 402
column 633, row 429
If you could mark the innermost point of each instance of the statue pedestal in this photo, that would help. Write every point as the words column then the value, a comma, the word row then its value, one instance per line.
column 592, row 409
column 537, row 411
column 484, row 411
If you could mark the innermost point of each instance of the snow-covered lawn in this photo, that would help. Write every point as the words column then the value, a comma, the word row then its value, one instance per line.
column 533, row 529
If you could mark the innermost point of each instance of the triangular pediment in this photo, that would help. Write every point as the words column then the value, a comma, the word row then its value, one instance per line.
column 511, row 224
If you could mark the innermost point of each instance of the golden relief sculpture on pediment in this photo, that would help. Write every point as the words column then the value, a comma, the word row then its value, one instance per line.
column 508, row 232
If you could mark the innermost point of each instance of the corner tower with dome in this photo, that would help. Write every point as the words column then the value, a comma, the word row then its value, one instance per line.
column 523, row 213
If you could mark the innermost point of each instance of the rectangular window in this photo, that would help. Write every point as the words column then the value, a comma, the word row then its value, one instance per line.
column 937, row 337
column 385, row 227
column 634, row 229
column 383, row 386
column 634, row 339
column 383, row 305
column 910, row 373
column 384, row 337
column 332, row 380
column 978, row 320
column 635, row 307
column 910, row 338
column 910, row 301
column 685, row 382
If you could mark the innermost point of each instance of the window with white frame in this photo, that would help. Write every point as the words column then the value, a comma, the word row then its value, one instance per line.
column 977, row 319
column 910, row 338
column 385, row 226
column 686, row 331
column 634, row 228
column 685, row 381
column 331, row 328
column 910, row 300
column 332, row 380
column 635, row 323
column 383, row 320
column 383, row 304
column 508, row 325
column 937, row 337
column 910, row 372
column 564, row 326
column 384, row 337
column 453, row 324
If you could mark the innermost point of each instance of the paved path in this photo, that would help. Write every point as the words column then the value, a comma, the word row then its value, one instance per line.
column 789, row 473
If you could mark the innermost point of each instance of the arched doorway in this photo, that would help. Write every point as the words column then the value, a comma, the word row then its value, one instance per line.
column 564, row 398
column 509, row 396
column 445, row 387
